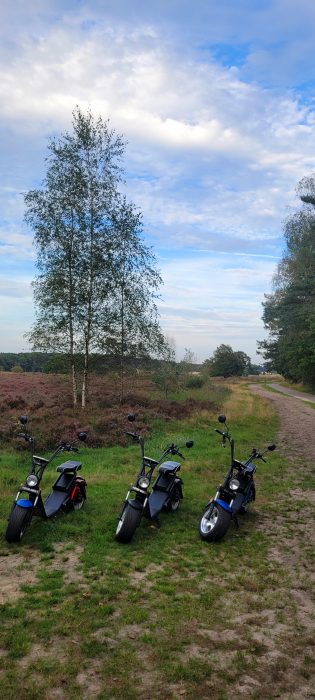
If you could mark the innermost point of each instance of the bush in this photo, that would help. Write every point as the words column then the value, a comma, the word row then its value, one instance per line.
column 17, row 369
column 195, row 382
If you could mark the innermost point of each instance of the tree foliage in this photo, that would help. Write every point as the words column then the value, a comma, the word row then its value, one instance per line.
column 97, row 280
column 226, row 362
column 289, row 312
column 134, row 328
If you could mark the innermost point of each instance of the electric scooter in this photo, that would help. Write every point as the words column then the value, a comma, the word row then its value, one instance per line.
column 166, row 491
column 235, row 493
column 68, row 491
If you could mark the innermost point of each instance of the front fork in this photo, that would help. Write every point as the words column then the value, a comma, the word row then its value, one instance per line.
column 34, row 503
column 139, row 502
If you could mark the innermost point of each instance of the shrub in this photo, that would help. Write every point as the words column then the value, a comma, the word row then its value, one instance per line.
column 17, row 369
column 195, row 382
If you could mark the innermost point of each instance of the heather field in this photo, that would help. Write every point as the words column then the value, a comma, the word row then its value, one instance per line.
column 47, row 400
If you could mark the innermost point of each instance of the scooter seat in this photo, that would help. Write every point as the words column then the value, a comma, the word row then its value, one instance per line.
column 69, row 466
column 169, row 467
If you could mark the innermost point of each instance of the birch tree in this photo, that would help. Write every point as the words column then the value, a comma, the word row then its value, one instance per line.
column 70, row 218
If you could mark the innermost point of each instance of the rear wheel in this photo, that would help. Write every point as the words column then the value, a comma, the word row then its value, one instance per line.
column 78, row 497
column 18, row 521
column 214, row 523
column 174, row 502
column 127, row 524
column 251, row 497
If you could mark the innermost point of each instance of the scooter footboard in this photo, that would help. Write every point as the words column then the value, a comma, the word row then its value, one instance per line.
column 156, row 502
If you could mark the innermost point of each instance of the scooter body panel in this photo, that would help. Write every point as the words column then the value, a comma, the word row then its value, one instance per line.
column 163, row 489
column 54, row 502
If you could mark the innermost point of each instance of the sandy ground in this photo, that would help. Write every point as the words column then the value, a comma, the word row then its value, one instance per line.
column 296, row 436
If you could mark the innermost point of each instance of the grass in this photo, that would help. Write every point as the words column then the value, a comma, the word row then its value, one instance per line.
column 289, row 386
column 167, row 616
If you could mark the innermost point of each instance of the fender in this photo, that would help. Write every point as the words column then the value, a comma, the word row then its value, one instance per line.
column 179, row 484
column 134, row 503
column 223, row 504
column 24, row 503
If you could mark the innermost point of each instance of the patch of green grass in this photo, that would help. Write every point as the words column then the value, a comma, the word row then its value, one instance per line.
column 126, row 612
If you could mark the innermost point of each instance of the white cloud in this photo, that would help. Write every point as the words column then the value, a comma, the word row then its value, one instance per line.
column 214, row 151
column 215, row 299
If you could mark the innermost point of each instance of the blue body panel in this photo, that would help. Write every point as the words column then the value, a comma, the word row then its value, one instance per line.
column 223, row 505
column 24, row 503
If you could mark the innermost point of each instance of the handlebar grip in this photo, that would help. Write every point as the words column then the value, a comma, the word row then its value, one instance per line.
column 219, row 431
column 130, row 434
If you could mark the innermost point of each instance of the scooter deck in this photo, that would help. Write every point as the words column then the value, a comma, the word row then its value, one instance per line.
column 54, row 502
column 156, row 501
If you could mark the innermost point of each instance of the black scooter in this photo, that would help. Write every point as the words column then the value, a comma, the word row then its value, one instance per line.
column 234, row 495
column 166, row 491
column 68, row 491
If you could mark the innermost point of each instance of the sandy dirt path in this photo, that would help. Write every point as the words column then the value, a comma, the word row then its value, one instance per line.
column 296, row 437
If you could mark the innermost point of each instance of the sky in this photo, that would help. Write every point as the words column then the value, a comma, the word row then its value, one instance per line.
column 216, row 101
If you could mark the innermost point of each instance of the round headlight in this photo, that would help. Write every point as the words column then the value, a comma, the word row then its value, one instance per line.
column 143, row 482
column 32, row 481
column 234, row 484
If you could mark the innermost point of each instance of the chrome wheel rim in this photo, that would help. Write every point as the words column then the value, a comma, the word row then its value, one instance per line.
column 78, row 503
column 120, row 522
column 209, row 520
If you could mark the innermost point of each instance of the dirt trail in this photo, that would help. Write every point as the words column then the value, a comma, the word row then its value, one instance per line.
column 291, row 533
column 296, row 436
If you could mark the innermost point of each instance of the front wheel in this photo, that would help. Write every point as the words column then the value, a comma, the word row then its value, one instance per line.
column 18, row 521
column 214, row 523
column 127, row 524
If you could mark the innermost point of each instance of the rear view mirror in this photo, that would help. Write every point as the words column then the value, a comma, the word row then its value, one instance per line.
column 271, row 448
column 189, row 443
column 82, row 436
column 131, row 417
column 222, row 418
column 23, row 420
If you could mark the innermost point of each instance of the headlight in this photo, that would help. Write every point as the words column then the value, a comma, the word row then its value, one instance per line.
column 32, row 481
column 143, row 482
column 234, row 484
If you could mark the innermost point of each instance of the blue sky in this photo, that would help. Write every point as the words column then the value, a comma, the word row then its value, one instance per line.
column 216, row 101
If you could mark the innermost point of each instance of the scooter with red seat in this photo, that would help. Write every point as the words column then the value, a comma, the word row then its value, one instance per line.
column 68, row 491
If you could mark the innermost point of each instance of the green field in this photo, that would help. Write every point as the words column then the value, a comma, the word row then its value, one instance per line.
column 166, row 616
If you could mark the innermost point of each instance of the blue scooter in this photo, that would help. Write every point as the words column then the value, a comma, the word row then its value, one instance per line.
column 166, row 493
column 68, row 491
column 235, row 493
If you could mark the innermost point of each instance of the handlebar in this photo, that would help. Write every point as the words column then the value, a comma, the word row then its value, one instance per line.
column 67, row 447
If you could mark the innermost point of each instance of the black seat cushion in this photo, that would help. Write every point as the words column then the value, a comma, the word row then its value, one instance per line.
column 170, row 467
column 70, row 466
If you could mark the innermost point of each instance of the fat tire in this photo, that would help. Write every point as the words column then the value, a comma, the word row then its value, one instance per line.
column 18, row 521
column 78, row 503
column 128, row 523
column 221, row 526
column 244, row 509
column 175, row 500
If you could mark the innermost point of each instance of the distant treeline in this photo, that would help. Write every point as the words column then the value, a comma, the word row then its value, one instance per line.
column 60, row 364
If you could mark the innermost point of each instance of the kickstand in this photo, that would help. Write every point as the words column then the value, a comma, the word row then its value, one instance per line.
column 236, row 522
